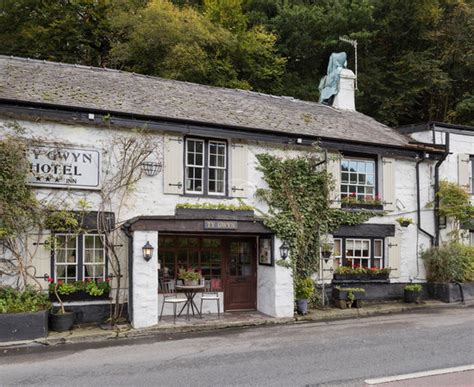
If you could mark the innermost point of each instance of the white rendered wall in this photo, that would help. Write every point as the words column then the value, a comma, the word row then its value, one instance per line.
column 145, row 281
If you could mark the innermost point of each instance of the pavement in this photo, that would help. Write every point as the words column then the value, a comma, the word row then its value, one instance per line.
column 166, row 327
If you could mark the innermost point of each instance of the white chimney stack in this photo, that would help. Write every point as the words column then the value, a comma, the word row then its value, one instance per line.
column 345, row 98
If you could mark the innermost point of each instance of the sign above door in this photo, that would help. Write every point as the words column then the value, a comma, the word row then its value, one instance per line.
column 220, row 225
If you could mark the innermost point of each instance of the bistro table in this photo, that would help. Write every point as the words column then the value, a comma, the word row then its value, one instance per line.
column 190, row 291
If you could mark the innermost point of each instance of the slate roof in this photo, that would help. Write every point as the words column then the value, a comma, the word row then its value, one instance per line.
column 118, row 91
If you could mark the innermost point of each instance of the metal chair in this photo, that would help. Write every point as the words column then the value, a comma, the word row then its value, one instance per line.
column 211, row 293
column 171, row 297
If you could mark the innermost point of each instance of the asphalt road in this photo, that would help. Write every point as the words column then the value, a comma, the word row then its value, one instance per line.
column 335, row 353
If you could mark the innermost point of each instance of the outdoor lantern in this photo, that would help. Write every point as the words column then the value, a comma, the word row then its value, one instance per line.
column 147, row 251
column 284, row 251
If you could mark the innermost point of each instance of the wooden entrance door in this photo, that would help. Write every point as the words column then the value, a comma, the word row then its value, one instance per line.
column 241, row 275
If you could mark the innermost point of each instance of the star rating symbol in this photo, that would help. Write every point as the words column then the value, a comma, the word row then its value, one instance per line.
column 38, row 178
column 56, row 180
column 47, row 179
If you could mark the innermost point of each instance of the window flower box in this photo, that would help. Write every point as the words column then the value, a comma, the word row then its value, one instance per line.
column 80, row 290
column 344, row 273
column 79, row 296
column 357, row 202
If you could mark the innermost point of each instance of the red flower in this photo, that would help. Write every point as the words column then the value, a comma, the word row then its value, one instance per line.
column 50, row 280
column 107, row 280
column 60, row 282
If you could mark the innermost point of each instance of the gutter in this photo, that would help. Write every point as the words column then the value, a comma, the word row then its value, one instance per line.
column 436, row 199
column 126, row 230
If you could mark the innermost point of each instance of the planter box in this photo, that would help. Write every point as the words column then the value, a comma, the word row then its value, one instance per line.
column 23, row 326
column 341, row 301
column 370, row 207
column 201, row 213
column 78, row 296
column 451, row 292
column 412, row 297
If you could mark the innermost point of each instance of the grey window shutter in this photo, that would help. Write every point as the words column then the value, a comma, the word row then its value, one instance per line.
column 334, row 168
column 238, row 182
column 464, row 165
column 388, row 184
column 394, row 255
column 173, row 169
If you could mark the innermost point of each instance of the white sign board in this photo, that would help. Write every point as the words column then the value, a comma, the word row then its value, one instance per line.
column 61, row 167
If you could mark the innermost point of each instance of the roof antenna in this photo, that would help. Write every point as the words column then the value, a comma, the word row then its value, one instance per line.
column 353, row 43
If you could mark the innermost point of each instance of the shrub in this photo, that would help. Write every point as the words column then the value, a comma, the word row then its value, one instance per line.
column 451, row 262
column 304, row 288
column 414, row 288
column 28, row 300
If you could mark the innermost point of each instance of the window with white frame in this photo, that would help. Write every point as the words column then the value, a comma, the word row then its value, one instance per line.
column 358, row 178
column 359, row 252
column 206, row 167
column 79, row 257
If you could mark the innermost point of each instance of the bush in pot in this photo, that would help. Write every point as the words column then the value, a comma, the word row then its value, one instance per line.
column 304, row 289
column 23, row 314
column 412, row 293
column 61, row 320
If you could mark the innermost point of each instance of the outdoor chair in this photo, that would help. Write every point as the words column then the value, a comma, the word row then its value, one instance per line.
column 171, row 297
column 211, row 293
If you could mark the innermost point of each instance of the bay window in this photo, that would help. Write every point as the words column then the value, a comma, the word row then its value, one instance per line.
column 359, row 252
column 205, row 167
column 78, row 257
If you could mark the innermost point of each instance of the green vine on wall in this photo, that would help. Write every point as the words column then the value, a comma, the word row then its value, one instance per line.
column 300, row 209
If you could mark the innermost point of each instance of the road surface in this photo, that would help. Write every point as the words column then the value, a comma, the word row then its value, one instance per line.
column 334, row 353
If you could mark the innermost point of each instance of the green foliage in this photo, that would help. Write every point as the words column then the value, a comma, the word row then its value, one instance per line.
column 28, row 300
column 189, row 275
column 415, row 58
column 304, row 288
column 62, row 221
column 455, row 202
column 19, row 209
column 93, row 288
column 360, row 270
column 403, row 221
column 413, row 288
column 451, row 262
column 299, row 207
column 216, row 206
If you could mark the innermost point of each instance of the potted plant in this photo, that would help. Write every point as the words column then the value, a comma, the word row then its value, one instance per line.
column 23, row 314
column 326, row 250
column 404, row 222
column 412, row 293
column 348, row 297
column 189, row 277
column 61, row 320
column 347, row 273
column 304, row 289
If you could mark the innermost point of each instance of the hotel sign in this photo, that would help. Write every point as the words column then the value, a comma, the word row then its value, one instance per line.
column 61, row 167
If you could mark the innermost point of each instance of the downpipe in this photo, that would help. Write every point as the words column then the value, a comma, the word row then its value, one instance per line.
column 436, row 198
column 418, row 202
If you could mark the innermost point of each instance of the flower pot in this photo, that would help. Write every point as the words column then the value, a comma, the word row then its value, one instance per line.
column 412, row 297
column 326, row 254
column 61, row 322
column 191, row 283
column 302, row 306
column 78, row 296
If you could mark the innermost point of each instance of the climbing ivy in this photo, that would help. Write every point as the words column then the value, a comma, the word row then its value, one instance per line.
column 299, row 207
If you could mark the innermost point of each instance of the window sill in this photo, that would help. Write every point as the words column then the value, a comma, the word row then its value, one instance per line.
column 371, row 207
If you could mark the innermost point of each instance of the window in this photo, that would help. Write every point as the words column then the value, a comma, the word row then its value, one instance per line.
column 359, row 252
column 79, row 257
column 206, row 167
column 358, row 178
column 471, row 238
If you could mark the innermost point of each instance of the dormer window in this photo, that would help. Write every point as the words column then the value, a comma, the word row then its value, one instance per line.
column 206, row 167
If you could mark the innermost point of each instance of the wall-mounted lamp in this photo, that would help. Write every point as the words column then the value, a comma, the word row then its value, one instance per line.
column 284, row 251
column 147, row 251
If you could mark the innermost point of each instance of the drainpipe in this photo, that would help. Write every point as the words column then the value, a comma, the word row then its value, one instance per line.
column 436, row 199
column 418, row 201
column 126, row 230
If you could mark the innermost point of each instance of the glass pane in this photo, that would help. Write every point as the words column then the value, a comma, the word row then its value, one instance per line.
column 353, row 178
column 345, row 177
column 88, row 256
column 89, row 241
column 98, row 242
column 377, row 263
column 345, row 165
column 370, row 179
column 361, row 166
column 337, row 247
column 370, row 167
column 60, row 256
column 99, row 256
column 71, row 256
column 199, row 147
column 60, row 272
column 71, row 242
column 199, row 159
column 353, row 166
column 378, row 248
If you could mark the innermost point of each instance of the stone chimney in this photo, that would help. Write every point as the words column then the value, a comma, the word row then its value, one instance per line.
column 345, row 98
